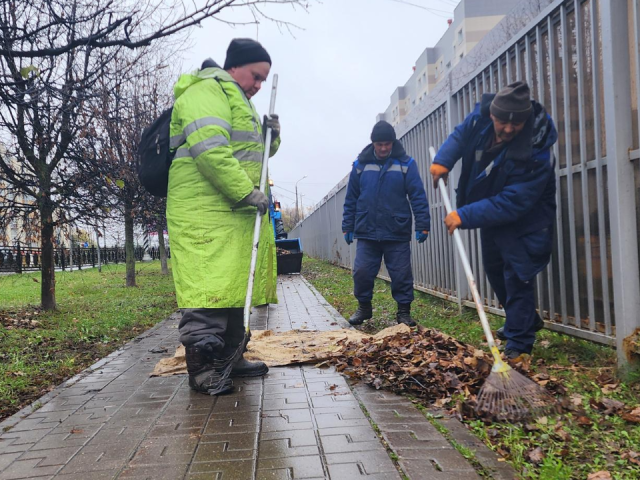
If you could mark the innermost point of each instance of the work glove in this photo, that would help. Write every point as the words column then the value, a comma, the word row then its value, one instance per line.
column 273, row 123
column 452, row 221
column 438, row 172
column 348, row 237
column 257, row 199
column 422, row 236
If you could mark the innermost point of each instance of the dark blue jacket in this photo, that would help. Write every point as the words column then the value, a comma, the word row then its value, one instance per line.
column 514, row 198
column 376, row 205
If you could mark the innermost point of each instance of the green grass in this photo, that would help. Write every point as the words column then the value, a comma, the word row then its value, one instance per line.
column 571, row 451
column 96, row 315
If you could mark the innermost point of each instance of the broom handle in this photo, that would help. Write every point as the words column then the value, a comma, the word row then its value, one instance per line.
column 256, row 229
column 467, row 270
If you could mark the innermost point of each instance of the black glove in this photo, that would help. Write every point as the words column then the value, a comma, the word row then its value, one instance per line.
column 257, row 199
column 273, row 123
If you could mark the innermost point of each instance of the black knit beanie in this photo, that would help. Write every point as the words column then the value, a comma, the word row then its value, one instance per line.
column 512, row 103
column 242, row 51
column 383, row 132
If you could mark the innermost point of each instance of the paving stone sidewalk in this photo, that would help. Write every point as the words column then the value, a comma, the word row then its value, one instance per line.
column 114, row 421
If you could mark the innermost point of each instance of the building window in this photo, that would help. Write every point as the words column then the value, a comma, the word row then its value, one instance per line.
column 462, row 55
column 460, row 36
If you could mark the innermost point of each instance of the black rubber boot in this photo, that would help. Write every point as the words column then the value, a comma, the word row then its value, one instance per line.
column 245, row 368
column 500, row 332
column 241, row 367
column 205, row 375
column 404, row 314
column 364, row 312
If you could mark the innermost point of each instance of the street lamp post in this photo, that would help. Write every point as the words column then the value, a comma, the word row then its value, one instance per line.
column 297, row 209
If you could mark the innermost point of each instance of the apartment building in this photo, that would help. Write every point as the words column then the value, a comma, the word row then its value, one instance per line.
column 472, row 20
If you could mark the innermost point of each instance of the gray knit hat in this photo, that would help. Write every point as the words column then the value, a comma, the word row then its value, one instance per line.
column 512, row 103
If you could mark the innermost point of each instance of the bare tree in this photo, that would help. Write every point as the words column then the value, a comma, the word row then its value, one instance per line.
column 53, row 54
column 134, row 91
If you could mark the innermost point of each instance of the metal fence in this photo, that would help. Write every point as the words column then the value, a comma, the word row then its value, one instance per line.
column 582, row 61
column 19, row 259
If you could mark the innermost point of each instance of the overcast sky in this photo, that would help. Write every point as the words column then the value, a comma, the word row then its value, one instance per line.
column 335, row 76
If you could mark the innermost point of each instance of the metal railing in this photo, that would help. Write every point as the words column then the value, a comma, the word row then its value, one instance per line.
column 20, row 259
column 582, row 61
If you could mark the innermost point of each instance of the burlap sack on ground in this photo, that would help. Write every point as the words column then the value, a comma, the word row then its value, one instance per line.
column 283, row 348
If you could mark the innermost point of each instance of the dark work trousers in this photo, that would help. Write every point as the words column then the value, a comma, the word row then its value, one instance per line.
column 397, row 258
column 214, row 328
column 517, row 297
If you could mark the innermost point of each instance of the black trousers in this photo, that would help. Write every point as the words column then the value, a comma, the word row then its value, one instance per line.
column 517, row 297
column 397, row 258
column 216, row 328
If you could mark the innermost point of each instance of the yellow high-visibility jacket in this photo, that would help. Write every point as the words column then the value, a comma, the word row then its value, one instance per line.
column 218, row 162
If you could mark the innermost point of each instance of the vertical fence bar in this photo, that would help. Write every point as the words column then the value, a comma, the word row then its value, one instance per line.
column 620, row 174
column 636, row 39
column 554, row 112
column 600, row 187
column 566, row 55
column 540, row 61
column 435, row 217
column 527, row 60
column 583, row 162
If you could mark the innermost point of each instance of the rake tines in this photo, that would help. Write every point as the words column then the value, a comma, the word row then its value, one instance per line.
column 510, row 396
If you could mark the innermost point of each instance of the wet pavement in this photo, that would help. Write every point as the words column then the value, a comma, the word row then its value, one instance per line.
column 114, row 421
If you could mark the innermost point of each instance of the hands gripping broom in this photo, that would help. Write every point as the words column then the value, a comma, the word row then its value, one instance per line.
column 506, row 395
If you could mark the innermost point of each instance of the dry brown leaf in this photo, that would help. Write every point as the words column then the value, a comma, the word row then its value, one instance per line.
column 576, row 399
column 584, row 421
column 633, row 457
column 601, row 475
column 563, row 434
column 535, row 456
column 633, row 416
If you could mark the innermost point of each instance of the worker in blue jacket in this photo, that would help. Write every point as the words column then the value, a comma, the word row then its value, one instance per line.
column 384, row 187
column 507, row 188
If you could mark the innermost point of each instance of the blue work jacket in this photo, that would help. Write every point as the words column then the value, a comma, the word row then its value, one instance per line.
column 513, row 198
column 381, row 195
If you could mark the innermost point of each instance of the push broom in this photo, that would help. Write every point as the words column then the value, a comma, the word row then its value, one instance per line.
column 256, row 230
column 223, row 367
column 506, row 395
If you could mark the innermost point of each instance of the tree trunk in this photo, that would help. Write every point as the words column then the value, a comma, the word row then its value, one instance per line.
column 161, row 249
column 48, row 274
column 128, row 245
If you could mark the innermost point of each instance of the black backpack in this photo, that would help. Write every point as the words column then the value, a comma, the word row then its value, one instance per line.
column 155, row 156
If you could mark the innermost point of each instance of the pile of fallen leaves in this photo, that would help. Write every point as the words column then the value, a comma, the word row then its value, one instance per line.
column 23, row 319
column 423, row 362
column 435, row 367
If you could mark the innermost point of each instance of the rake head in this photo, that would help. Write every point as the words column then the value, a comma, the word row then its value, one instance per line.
column 509, row 396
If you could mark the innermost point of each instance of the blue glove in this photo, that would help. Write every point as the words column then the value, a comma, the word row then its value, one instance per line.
column 348, row 237
column 421, row 236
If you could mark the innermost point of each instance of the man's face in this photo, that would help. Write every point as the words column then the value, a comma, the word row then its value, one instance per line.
column 382, row 149
column 250, row 76
column 506, row 131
